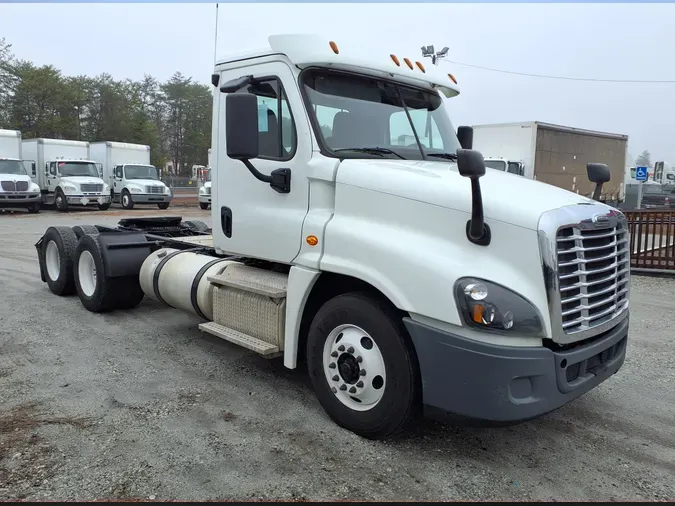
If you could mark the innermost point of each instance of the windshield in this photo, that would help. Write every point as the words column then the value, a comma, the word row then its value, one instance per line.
column 208, row 176
column 78, row 169
column 140, row 172
column 12, row 167
column 366, row 117
column 496, row 164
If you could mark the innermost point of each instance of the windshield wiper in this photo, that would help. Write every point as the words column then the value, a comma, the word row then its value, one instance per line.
column 447, row 156
column 375, row 151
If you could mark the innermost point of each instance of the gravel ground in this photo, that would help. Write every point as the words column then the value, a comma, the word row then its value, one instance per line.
column 141, row 405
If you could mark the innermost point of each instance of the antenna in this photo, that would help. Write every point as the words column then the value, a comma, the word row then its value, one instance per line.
column 215, row 42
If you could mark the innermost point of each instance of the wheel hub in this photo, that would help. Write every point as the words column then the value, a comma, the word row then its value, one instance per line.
column 349, row 368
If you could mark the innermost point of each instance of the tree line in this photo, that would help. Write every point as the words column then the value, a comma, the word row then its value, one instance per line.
column 173, row 117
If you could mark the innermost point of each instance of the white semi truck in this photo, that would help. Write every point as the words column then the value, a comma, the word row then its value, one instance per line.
column 132, row 178
column 66, row 174
column 554, row 154
column 407, row 277
column 17, row 190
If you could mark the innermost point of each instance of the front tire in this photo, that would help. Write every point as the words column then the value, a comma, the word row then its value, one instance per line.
column 203, row 205
column 34, row 208
column 60, row 201
column 163, row 205
column 127, row 202
column 104, row 207
column 363, row 366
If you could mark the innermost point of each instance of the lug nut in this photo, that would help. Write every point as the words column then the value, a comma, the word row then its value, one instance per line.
column 350, row 349
column 333, row 389
column 336, row 377
column 352, row 390
column 331, row 365
column 362, row 372
column 334, row 354
column 343, row 387
column 360, row 384
column 359, row 359
column 341, row 347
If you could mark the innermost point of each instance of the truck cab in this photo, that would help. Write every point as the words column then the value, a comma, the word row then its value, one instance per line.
column 75, row 182
column 205, row 191
column 17, row 189
column 134, row 183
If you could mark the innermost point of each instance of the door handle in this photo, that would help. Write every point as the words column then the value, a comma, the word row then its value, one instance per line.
column 226, row 221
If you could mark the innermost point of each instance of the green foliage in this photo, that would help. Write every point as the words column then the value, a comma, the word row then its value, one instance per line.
column 644, row 160
column 173, row 118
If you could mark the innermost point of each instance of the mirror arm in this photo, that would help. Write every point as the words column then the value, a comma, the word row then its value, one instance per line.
column 597, row 192
column 477, row 231
column 256, row 173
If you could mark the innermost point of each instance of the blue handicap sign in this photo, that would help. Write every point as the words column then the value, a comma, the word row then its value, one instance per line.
column 641, row 173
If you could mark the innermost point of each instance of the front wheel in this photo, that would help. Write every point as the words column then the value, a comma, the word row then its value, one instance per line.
column 127, row 203
column 163, row 205
column 203, row 205
column 363, row 366
column 104, row 207
column 60, row 201
column 34, row 208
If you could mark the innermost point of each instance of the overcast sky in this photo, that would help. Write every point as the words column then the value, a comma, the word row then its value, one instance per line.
column 602, row 41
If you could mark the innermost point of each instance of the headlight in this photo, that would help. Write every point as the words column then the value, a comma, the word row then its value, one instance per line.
column 488, row 306
column 34, row 188
column 167, row 190
column 106, row 188
column 69, row 188
column 135, row 189
column 202, row 190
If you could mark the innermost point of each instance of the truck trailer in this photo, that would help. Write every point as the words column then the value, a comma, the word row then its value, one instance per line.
column 408, row 279
column 66, row 174
column 127, row 170
column 554, row 154
column 17, row 189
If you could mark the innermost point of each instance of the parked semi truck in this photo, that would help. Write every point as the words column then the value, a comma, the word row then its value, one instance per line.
column 554, row 154
column 66, row 174
column 407, row 277
column 17, row 190
column 132, row 178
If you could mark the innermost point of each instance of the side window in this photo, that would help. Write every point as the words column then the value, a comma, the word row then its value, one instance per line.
column 52, row 168
column 514, row 168
column 401, row 133
column 276, row 128
column 118, row 171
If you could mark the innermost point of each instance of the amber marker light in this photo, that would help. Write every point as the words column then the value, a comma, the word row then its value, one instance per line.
column 334, row 47
column 312, row 240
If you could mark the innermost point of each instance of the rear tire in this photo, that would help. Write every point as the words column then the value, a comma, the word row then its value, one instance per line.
column 363, row 366
column 96, row 292
column 82, row 230
column 58, row 250
column 203, row 206
column 196, row 225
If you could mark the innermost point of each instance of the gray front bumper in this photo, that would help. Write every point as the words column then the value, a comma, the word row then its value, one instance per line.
column 150, row 198
column 86, row 200
column 19, row 199
column 496, row 383
column 205, row 199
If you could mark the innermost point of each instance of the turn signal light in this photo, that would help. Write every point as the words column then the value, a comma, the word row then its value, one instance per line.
column 334, row 47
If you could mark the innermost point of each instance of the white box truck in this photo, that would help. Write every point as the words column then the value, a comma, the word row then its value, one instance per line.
column 205, row 188
column 66, row 174
column 407, row 277
column 554, row 154
column 17, row 190
column 127, row 170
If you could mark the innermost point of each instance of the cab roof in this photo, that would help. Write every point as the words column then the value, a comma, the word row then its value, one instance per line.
column 306, row 50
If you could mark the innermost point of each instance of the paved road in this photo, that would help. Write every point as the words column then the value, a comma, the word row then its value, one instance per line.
column 140, row 404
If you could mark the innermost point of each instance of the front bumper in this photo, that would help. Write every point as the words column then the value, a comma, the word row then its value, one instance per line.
column 85, row 200
column 205, row 199
column 495, row 383
column 150, row 198
column 19, row 199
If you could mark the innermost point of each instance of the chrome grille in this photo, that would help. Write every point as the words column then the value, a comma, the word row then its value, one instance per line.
column 91, row 188
column 593, row 274
column 208, row 190
column 12, row 186
column 154, row 189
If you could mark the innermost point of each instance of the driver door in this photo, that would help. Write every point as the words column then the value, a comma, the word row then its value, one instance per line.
column 52, row 177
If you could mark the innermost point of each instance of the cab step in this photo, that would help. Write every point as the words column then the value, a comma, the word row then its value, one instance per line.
column 253, row 280
column 244, row 340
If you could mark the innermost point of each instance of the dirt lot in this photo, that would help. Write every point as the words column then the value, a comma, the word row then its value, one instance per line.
column 140, row 404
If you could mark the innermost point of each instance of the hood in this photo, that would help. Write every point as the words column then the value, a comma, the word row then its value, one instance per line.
column 14, row 177
column 207, row 184
column 146, row 182
column 506, row 197
column 78, row 180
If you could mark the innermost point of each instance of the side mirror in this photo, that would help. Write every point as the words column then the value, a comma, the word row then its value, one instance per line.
column 471, row 164
column 598, row 173
column 465, row 137
column 241, row 124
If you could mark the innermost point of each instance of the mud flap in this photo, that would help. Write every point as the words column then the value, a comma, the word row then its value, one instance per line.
column 41, row 259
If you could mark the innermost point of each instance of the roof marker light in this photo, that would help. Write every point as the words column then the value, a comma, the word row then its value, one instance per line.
column 395, row 60
column 408, row 63
column 452, row 78
column 420, row 66
column 334, row 47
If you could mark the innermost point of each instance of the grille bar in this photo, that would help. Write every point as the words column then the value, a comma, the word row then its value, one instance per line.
column 154, row 189
column 593, row 275
column 91, row 188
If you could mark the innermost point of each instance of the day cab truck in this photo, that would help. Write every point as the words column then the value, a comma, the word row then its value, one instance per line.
column 66, row 174
column 205, row 191
column 408, row 278
column 132, row 178
column 17, row 190
column 554, row 154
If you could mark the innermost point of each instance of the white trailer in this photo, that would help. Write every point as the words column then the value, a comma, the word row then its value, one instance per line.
column 132, row 178
column 407, row 276
column 66, row 174
column 554, row 154
column 17, row 190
